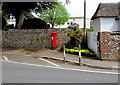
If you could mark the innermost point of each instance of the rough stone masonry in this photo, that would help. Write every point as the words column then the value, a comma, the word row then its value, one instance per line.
column 109, row 46
column 32, row 38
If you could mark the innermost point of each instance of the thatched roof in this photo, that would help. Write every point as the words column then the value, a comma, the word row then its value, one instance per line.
column 107, row 10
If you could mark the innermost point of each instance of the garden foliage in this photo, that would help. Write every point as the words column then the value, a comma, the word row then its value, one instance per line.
column 55, row 16
column 34, row 23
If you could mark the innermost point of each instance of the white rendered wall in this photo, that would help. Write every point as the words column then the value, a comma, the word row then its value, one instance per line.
column 92, row 41
column 81, row 22
column 96, row 25
column 109, row 24
column 78, row 21
column 119, row 25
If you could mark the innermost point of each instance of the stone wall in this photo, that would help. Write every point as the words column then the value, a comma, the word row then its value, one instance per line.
column 109, row 46
column 39, row 38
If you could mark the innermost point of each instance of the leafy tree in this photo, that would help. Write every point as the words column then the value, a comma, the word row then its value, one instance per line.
column 34, row 23
column 55, row 16
column 21, row 9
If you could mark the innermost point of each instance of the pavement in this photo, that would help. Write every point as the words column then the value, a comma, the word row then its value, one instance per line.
column 56, row 55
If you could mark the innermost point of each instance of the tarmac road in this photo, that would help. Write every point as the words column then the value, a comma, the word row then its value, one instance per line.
column 31, row 68
column 49, row 62
column 16, row 72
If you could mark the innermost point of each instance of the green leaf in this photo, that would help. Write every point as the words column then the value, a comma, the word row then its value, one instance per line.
column 55, row 16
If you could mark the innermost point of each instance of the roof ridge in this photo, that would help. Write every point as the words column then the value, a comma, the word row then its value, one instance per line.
column 106, row 10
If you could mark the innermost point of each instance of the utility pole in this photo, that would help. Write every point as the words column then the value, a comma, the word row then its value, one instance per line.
column 84, row 21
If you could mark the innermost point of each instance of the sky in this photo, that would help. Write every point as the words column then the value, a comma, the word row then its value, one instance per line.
column 76, row 7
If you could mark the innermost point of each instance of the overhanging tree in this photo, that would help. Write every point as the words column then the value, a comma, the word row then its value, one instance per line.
column 55, row 16
column 20, row 9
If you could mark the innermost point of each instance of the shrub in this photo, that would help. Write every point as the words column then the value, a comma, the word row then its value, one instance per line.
column 4, row 23
column 90, row 30
column 76, row 37
column 71, row 43
column 86, row 51
column 34, row 23
column 76, row 33
column 10, row 26
column 67, row 50
column 71, row 33
column 75, row 48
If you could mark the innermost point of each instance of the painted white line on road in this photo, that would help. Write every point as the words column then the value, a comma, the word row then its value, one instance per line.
column 5, row 58
column 80, row 70
column 49, row 62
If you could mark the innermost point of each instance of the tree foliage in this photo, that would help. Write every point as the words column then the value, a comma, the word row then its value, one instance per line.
column 20, row 9
column 14, row 8
column 4, row 23
column 77, row 34
column 55, row 16
column 34, row 23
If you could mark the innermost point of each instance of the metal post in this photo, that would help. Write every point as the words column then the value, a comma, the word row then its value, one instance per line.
column 79, row 55
column 85, row 21
column 64, row 52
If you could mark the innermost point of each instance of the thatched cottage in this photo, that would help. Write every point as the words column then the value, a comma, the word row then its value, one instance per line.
column 107, row 17
column 105, row 39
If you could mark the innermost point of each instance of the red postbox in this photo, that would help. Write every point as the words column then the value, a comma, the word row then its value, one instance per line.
column 53, row 40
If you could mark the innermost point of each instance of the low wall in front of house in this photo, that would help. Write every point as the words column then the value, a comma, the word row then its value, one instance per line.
column 92, row 41
column 37, row 38
column 106, row 45
column 109, row 46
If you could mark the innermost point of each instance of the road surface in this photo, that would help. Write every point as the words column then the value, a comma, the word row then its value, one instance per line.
column 16, row 72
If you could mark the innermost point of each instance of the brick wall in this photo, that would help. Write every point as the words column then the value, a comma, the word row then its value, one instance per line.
column 109, row 46
column 39, row 38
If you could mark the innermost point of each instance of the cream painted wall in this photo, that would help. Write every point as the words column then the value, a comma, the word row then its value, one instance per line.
column 119, row 25
column 92, row 41
column 108, row 24
column 96, row 25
